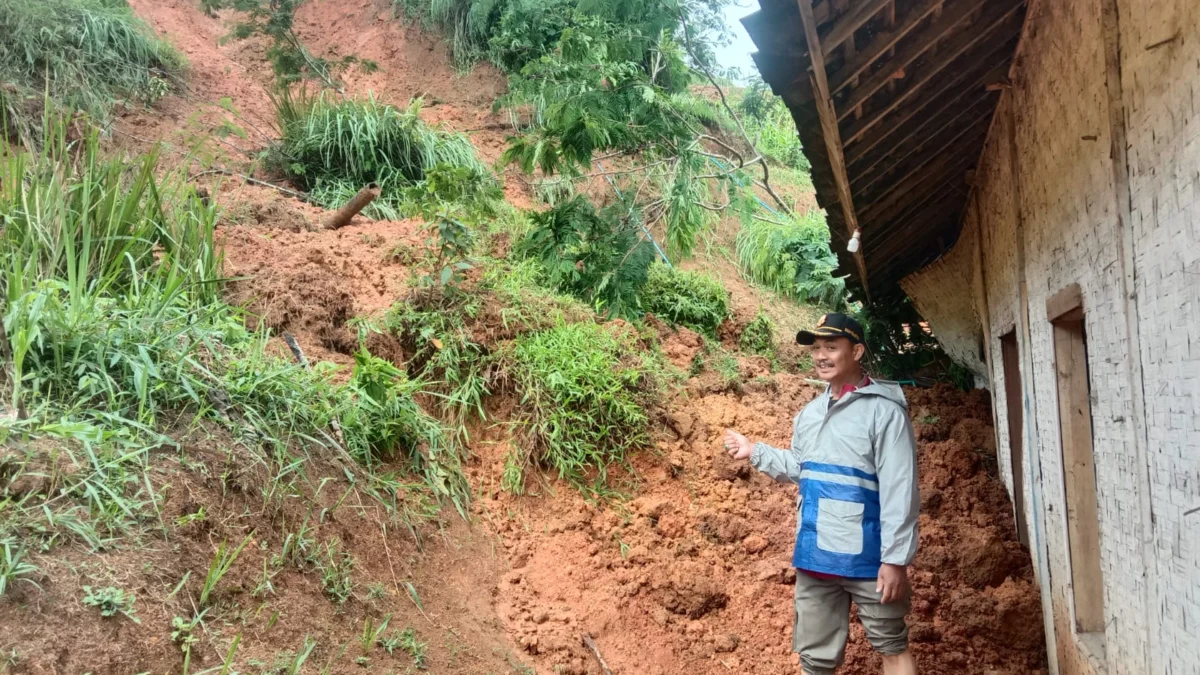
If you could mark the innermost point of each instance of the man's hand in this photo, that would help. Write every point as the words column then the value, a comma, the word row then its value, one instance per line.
column 737, row 445
column 892, row 583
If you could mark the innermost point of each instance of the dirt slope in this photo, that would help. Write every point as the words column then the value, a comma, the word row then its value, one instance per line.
column 692, row 574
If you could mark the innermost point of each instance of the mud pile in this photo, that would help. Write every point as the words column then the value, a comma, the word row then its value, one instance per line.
column 693, row 575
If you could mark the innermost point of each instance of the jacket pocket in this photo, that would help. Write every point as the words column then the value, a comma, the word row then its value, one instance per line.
column 840, row 526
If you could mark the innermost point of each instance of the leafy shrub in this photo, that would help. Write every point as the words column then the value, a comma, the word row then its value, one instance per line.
column 792, row 258
column 690, row 299
column 111, row 601
column 758, row 337
column 898, row 344
column 83, row 54
column 441, row 350
column 584, row 392
column 599, row 257
column 333, row 147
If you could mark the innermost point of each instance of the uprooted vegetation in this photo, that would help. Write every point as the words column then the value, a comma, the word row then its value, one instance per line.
column 332, row 148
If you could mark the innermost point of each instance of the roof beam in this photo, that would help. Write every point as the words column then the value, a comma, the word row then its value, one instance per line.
column 968, row 130
column 901, row 197
column 920, row 212
column 851, row 21
column 859, row 129
column 994, row 16
column 943, row 106
column 829, row 129
column 919, row 252
column 900, row 149
column 872, row 52
column 879, row 46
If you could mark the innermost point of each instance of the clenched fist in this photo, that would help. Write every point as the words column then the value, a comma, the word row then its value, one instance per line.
column 737, row 445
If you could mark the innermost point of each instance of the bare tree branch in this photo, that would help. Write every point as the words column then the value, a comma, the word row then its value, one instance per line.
column 766, row 182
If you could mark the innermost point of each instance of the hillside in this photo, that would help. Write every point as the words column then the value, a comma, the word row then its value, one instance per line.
column 262, row 522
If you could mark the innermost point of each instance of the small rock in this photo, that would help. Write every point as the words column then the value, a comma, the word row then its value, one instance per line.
column 541, row 616
column 755, row 543
column 726, row 643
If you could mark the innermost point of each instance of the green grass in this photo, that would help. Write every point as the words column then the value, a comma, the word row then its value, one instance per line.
column 13, row 566
column 758, row 337
column 333, row 147
column 121, row 345
column 221, row 562
column 583, row 389
column 82, row 54
column 691, row 299
column 792, row 258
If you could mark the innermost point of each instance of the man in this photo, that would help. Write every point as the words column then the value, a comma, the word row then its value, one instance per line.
column 854, row 457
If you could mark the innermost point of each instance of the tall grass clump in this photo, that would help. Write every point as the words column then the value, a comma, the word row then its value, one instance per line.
column 84, row 54
column 792, row 258
column 116, row 333
column 690, row 299
column 584, row 391
column 333, row 146
column 468, row 24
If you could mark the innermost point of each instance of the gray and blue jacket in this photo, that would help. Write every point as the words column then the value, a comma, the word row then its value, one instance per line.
column 855, row 461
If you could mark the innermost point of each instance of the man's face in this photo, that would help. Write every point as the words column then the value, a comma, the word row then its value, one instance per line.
column 836, row 358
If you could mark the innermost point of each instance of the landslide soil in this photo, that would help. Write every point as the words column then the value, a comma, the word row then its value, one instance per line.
column 693, row 574
column 690, row 573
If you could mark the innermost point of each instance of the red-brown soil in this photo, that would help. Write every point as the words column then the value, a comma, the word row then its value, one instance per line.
column 693, row 574
column 51, row 631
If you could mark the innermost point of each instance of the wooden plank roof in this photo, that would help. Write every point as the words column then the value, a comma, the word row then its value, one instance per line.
column 895, row 121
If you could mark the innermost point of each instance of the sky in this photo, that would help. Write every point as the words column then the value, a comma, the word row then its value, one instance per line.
column 737, row 53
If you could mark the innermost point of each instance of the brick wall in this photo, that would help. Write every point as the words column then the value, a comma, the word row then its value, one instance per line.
column 1052, row 208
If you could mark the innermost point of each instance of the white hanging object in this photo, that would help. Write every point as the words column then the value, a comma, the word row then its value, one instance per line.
column 852, row 245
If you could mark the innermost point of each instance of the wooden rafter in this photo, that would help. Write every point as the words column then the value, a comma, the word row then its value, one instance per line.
column 902, row 148
column 829, row 130
column 932, row 117
column 980, row 31
column 937, row 205
column 928, row 206
column 849, row 22
column 912, row 50
column 899, row 198
column 856, row 133
column 957, row 141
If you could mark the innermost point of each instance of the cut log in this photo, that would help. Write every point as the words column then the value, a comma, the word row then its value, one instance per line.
column 357, row 203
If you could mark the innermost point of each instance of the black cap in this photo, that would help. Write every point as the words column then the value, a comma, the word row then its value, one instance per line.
column 832, row 325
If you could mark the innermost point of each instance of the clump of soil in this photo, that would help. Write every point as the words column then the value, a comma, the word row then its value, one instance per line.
column 694, row 575
column 311, row 283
